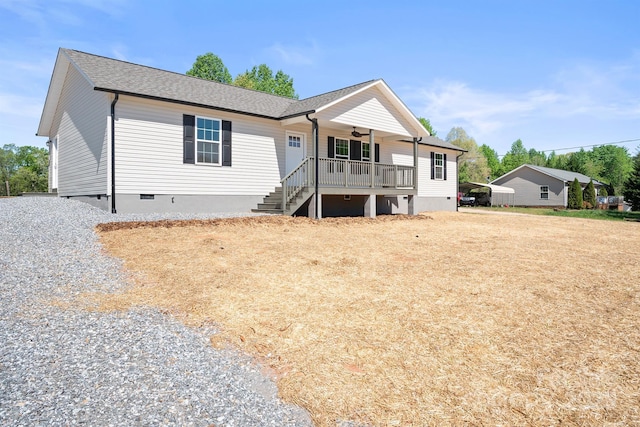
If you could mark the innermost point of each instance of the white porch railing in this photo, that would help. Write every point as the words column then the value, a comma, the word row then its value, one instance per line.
column 357, row 174
column 347, row 174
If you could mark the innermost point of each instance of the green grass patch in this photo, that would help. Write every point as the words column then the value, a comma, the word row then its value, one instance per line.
column 610, row 215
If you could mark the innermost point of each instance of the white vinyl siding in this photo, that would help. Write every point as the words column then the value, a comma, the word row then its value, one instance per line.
column 428, row 187
column 149, row 152
column 369, row 109
column 81, row 122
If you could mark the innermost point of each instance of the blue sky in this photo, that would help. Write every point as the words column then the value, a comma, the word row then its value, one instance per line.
column 555, row 74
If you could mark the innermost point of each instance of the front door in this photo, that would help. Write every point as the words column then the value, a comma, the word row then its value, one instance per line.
column 295, row 148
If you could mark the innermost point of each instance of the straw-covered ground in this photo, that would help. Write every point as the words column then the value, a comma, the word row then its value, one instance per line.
column 440, row 319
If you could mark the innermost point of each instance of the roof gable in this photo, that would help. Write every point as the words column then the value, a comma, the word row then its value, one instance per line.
column 368, row 109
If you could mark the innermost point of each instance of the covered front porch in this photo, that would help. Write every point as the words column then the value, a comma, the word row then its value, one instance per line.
column 363, row 142
column 339, row 177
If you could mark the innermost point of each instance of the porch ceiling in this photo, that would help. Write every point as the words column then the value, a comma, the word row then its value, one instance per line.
column 346, row 129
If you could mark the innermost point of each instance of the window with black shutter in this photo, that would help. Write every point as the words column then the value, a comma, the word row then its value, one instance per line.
column 206, row 140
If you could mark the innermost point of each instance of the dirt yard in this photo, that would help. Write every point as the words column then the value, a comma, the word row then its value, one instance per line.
column 440, row 319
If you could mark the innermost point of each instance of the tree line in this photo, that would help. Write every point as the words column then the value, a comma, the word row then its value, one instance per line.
column 23, row 169
column 612, row 165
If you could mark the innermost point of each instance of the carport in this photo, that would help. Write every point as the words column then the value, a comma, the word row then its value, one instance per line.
column 499, row 195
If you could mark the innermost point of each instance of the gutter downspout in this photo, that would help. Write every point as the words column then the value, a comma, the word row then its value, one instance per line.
column 458, row 178
column 314, row 135
column 416, row 141
column 113, row 153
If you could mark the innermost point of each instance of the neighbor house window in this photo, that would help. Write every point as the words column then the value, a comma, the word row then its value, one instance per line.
column 208, row 137
column 544, row 192
column 366, row 151
column 342, row 148
column 438, row 165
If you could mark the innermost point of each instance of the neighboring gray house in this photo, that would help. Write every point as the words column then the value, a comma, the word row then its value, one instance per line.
column 541, row 186
column 131, row 138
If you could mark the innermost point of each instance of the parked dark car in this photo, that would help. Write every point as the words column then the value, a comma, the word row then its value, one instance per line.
column 482, row 198
column 467, row 201
column 475, row 199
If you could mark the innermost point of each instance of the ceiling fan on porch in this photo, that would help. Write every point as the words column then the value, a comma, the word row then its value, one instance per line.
column 357, row 134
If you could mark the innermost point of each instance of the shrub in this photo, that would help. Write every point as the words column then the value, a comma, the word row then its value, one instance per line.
column 632, row 186
column 575, row 195
column 589, row 195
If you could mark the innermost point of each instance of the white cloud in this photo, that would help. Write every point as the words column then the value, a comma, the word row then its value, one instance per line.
column 23, row 106
column 295, row 55
column 109, row 7
column 29, row 10
column 481, row 112
column 575, row 96
column 119, row 51
column 60, row 12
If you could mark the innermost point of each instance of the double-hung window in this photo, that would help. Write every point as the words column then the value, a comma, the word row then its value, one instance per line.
column 544, row 192
column 342, row 148
column 438, row 165
column 208, row 141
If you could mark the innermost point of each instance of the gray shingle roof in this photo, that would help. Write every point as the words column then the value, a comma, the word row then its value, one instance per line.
column 563, row 174
column 437, row 142
column 124, row 77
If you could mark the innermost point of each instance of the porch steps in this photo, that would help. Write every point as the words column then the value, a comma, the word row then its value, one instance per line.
column 272, row 203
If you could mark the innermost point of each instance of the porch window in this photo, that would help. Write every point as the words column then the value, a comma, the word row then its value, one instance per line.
column 544, row 192
column 208, row 141
column 366, row 151
column 342, row 148
column 438, row 166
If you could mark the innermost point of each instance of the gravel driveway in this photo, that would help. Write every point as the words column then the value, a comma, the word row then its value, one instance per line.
column 69, row 366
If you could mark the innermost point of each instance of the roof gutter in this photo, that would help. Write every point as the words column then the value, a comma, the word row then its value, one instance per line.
column 314, row 133
column 113, row 153
column 210, row 107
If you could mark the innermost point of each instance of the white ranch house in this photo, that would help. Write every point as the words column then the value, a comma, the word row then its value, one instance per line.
column 130, row 138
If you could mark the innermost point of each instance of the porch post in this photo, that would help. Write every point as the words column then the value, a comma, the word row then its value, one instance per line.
column 315, row 202
column 370, row 206
column 412, row 205
column 415, row 163
column 372, row 158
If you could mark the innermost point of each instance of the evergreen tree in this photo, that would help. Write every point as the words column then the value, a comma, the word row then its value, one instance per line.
column 632, row 185
column 575, row 195
column 603, row 192
column 589, row 195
